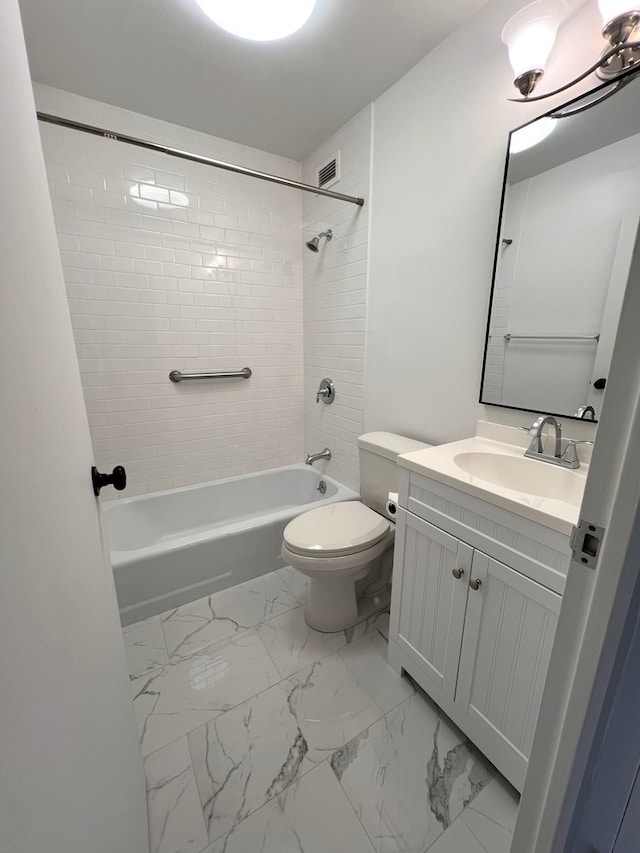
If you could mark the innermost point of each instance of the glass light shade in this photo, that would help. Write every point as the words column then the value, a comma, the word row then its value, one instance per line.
column 610, row 9
column 530, row 34
column 259, row 20
column 531, row 134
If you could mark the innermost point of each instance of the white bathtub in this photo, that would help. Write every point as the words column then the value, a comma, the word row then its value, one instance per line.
column 169, row 548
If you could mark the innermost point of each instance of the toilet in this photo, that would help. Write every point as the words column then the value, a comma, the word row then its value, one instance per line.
column 346, row 548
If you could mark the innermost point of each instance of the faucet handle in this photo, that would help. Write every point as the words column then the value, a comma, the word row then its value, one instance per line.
column 570, row 454
column 530, row 430
column 326, row 391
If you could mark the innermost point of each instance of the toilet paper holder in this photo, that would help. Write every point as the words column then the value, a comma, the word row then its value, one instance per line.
column 391, row 505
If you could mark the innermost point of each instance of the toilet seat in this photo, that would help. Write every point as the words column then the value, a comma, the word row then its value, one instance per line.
column 338, row 530
column 314, row 565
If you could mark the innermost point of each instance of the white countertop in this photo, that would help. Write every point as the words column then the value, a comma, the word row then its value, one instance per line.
column 558, row 513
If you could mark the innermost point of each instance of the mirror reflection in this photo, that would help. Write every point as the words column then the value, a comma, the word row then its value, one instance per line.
column 567, row 230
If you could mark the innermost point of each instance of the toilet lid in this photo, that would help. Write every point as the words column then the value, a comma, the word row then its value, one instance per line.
column 335, row 530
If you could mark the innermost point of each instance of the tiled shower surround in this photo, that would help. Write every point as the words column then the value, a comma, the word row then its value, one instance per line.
column 335, row 298
column 260, row 734
column 175, row 265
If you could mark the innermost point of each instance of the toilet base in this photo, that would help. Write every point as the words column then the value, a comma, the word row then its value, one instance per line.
column 338, row 609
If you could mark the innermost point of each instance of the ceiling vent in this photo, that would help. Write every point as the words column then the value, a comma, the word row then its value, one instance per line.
column 329, row 171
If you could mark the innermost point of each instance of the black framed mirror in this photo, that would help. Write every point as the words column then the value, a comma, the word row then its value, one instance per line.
column 567, row 228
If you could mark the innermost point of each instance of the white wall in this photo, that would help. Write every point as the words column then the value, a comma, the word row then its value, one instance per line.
column 71, row 777
column 335, row 296
column 210, row 280
column 439, row 143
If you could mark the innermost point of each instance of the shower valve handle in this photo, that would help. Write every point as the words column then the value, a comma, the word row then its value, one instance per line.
column 117, row 478
column 326, row 392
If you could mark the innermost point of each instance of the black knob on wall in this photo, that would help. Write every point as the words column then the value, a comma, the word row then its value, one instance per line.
column 600, row 384
column 117, row 478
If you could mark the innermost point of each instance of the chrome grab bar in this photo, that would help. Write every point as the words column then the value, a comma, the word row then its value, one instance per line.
column 178, row 376
column 510, row 337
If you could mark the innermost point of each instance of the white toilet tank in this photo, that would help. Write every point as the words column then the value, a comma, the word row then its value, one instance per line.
column 378, row 452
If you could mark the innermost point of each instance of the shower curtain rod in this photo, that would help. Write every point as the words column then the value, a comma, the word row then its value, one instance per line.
column 195, row 158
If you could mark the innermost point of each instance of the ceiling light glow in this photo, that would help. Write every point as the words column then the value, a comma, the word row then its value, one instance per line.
column 258, row 20
column 531, row 134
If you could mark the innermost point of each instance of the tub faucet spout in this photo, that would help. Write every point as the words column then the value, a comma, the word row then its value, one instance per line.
column 313, row 457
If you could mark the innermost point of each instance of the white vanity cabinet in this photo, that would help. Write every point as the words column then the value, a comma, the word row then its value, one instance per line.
column 475, row 602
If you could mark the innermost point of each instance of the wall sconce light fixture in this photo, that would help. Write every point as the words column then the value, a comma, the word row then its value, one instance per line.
column 531, row 33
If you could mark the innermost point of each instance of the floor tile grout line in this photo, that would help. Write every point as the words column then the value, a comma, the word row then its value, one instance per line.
column 307, row 665
column 237, row 633
column 447, row 828
column 229, row 640
column 249, row 698
column 360, row 684
column 270, row 656
column 270, row 800
column 460, row 817
column 218, row 715
column 482, row 814
column 298, row 778
column 457, row 817
column 127, row 628
column 327, row 759
column 253, row 696
column 171, row 658
column 339, row 781
column 195, row 779
column 226, row 641
column 346, row 643
column 290, row 588
column 158, row 616
column 351, row 806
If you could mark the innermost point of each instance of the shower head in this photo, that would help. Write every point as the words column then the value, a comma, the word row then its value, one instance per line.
column 313, row 245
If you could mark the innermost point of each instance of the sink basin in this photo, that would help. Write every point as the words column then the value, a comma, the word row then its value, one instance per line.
column 492, row 467
column 528, row 476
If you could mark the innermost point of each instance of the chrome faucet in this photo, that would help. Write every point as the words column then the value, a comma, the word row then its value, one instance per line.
column 536, row 448
column 314, row 457
column 567, row 458
column 587, row 413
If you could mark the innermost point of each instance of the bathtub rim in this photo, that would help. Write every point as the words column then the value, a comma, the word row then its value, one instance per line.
column 122, row 558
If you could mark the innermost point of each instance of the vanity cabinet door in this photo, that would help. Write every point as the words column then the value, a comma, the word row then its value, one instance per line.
column 509, row 629
column 432, row 569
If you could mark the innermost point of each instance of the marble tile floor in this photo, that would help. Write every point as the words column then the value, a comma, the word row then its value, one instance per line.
column 260, row 734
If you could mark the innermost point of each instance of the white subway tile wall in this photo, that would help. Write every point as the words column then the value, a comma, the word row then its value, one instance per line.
column 335, row 299
column 175, row 265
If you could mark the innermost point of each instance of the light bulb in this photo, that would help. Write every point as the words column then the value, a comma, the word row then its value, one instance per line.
column 610, row 9
column 531, row 134
column 530, row 34
column 259, row 20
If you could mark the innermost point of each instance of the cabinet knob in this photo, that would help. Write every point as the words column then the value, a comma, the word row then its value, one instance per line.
column 475, row 583
column 457, row 573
